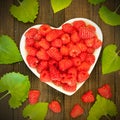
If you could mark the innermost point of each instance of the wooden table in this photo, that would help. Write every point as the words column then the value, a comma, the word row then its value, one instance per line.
column 78, row 8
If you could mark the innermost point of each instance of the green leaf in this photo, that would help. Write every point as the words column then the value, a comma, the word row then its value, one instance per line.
column 26, row 12
column 109, row 17
column 60, row 4
column 9, row 52
column 95, row 2
column 110, row 59
column 17, row 85
column 102, row 107
column 36, row 111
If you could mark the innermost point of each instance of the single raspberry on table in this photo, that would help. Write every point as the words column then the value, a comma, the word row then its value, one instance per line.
column 76, row 111
column 33, row 96
column 88, row 97
column 55, row 106
column 105, row 91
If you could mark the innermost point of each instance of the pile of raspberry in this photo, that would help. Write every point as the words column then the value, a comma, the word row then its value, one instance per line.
column 62, row 56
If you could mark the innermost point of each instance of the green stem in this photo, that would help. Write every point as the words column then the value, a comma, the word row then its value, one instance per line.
column 117, row 8
column 4, row 95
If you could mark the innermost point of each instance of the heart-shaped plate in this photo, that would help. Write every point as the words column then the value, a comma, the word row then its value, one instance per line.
column 96, row 53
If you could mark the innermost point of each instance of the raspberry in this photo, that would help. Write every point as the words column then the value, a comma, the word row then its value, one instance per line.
column 64, row 50
column 82, row 47
column 88, row 97
column 31, row 33
column 53, row 34
column 76, row 111
column 44, row 44
column 78, row 24
column 65, row 64
column 74, row 51
column 76, row 61
column 82, row 76
column 44, row 29
column 45, row 76
column 85, row 33
column 31, row 50
column 54, row 73
column 67, row 27
column 32, row 61
column 75, row 37
column 72, row 71
column 90, row 42
column 84, row 66
column 90, row 59
column 90, row 50
column 105, row 91
column 65, row 38
column 55, row 106
column 33, row 96
column 42, row 55
column 83, row 56
column 29, row 42
column 68, row 88
column 70, row 80
column 97, row 44
column 42, row 66
column 54, row 53
column 37, row 37
column 91, row 28
column 57, row 43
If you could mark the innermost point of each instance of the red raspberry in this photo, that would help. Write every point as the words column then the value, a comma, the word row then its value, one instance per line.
column 84, row 66
column 76, row 111
column 54, row 73
column 53, row 34
column 90, row 59
column 88, row 97
column 72, row 71
column 82, row 47
column 64, row 50
column 65, row 38
column 31, row 50
column 74, row 51
column 58, row 83
column 76, row 61
column 57, row 43
column 32, row 61
column 65, row 64
column 82, row 76
column 55, row 106
column 105, row 91
column 44, row 44
column 92, row 28
column 54, row 53
column 45, row 76
column 68, row 88
column 97, row 44
column 44, row 29
column 90, row 42
column 37, row 37
column 83, row 56
column 42, row 55
column 90, row 50
column 85, row 33
column 42, row 66
column 29, row 42
column 31, row 33
column 78, row 24
column 75, row 37
column 67, row 27
column 33, row 96
column 53, row 62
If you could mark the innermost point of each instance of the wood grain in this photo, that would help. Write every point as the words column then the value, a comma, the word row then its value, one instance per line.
column 78, row 8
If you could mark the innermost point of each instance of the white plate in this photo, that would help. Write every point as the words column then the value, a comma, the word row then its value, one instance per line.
column 96, row 53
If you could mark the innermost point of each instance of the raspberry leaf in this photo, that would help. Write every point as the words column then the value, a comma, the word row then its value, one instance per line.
column 17, row 85
column 109, row 17
column 36, row 112
column 96, row 1
column 101, row 107
column 110, row 59
column 9, row 52
column 26, row 11
column 60, row 4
